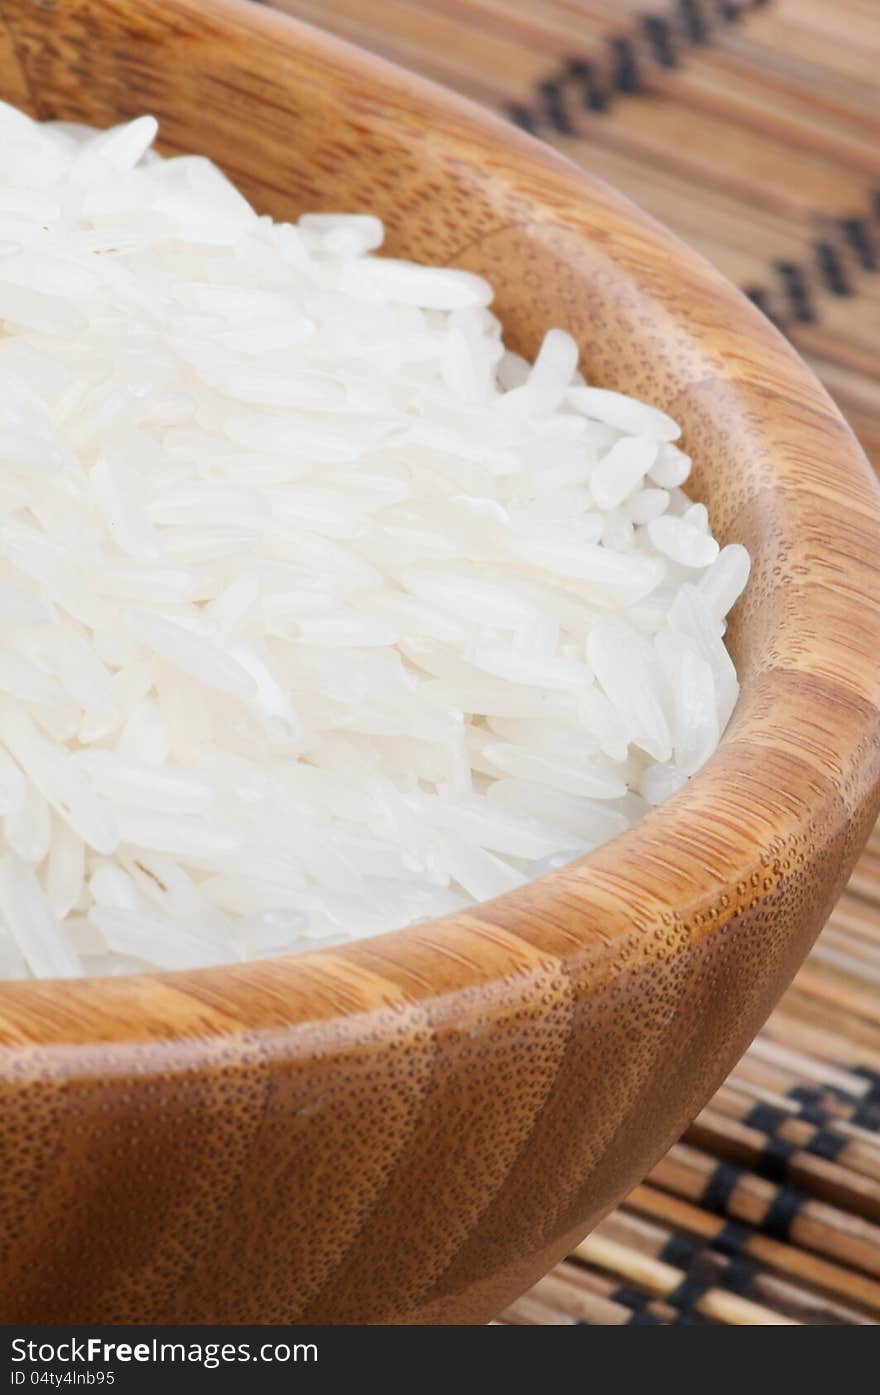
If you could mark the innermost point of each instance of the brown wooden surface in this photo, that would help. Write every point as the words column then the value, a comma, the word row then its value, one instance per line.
column 415, row 1128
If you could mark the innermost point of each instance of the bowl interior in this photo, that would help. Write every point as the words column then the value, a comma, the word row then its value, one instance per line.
column 302, row 122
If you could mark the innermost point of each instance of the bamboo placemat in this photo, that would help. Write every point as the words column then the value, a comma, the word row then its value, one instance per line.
column 753, row 130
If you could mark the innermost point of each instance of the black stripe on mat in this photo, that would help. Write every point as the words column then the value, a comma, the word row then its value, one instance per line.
column 827, row 1145
column 782, row 1212
column 693, row 20
column 593, row 93
column 722, row 1181
column 625, row 71
column 522, row 116
column 813, row 1114
column 867, row 1116
column 681, row 1250
column 766, row 1118
column 866, row 1113
column 701, row 1257
column 775, row 1158
column 873, row 1078
column 552, row 105
column 806, row 1094
column 738, row 1274
column 657, row 40
column 831, row 269
column 628, row 1296
column 658, row 32
column 690, row 1291
column 858, row 237
column 797, row 292
column 732, row 1239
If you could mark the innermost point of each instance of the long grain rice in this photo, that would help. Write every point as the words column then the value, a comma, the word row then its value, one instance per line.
column 322, row 613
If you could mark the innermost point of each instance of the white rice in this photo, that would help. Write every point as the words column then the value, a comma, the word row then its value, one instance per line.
column 321, row 612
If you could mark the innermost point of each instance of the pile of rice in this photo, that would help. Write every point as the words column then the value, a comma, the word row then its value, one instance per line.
column 322, row 613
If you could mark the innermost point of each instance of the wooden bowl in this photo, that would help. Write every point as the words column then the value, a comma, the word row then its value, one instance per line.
column 414, row 1128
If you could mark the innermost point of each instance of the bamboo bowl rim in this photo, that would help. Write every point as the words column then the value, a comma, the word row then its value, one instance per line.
column 676, row 874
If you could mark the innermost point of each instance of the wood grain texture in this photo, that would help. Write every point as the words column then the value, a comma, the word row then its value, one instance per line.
column 414, row 1128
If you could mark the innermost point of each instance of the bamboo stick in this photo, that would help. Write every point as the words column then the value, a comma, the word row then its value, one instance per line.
column 784, row 1258
column 859, row 1148
column 842, row 1186
column 792, row 1298
column 663, row 1279
column 816, row 1225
